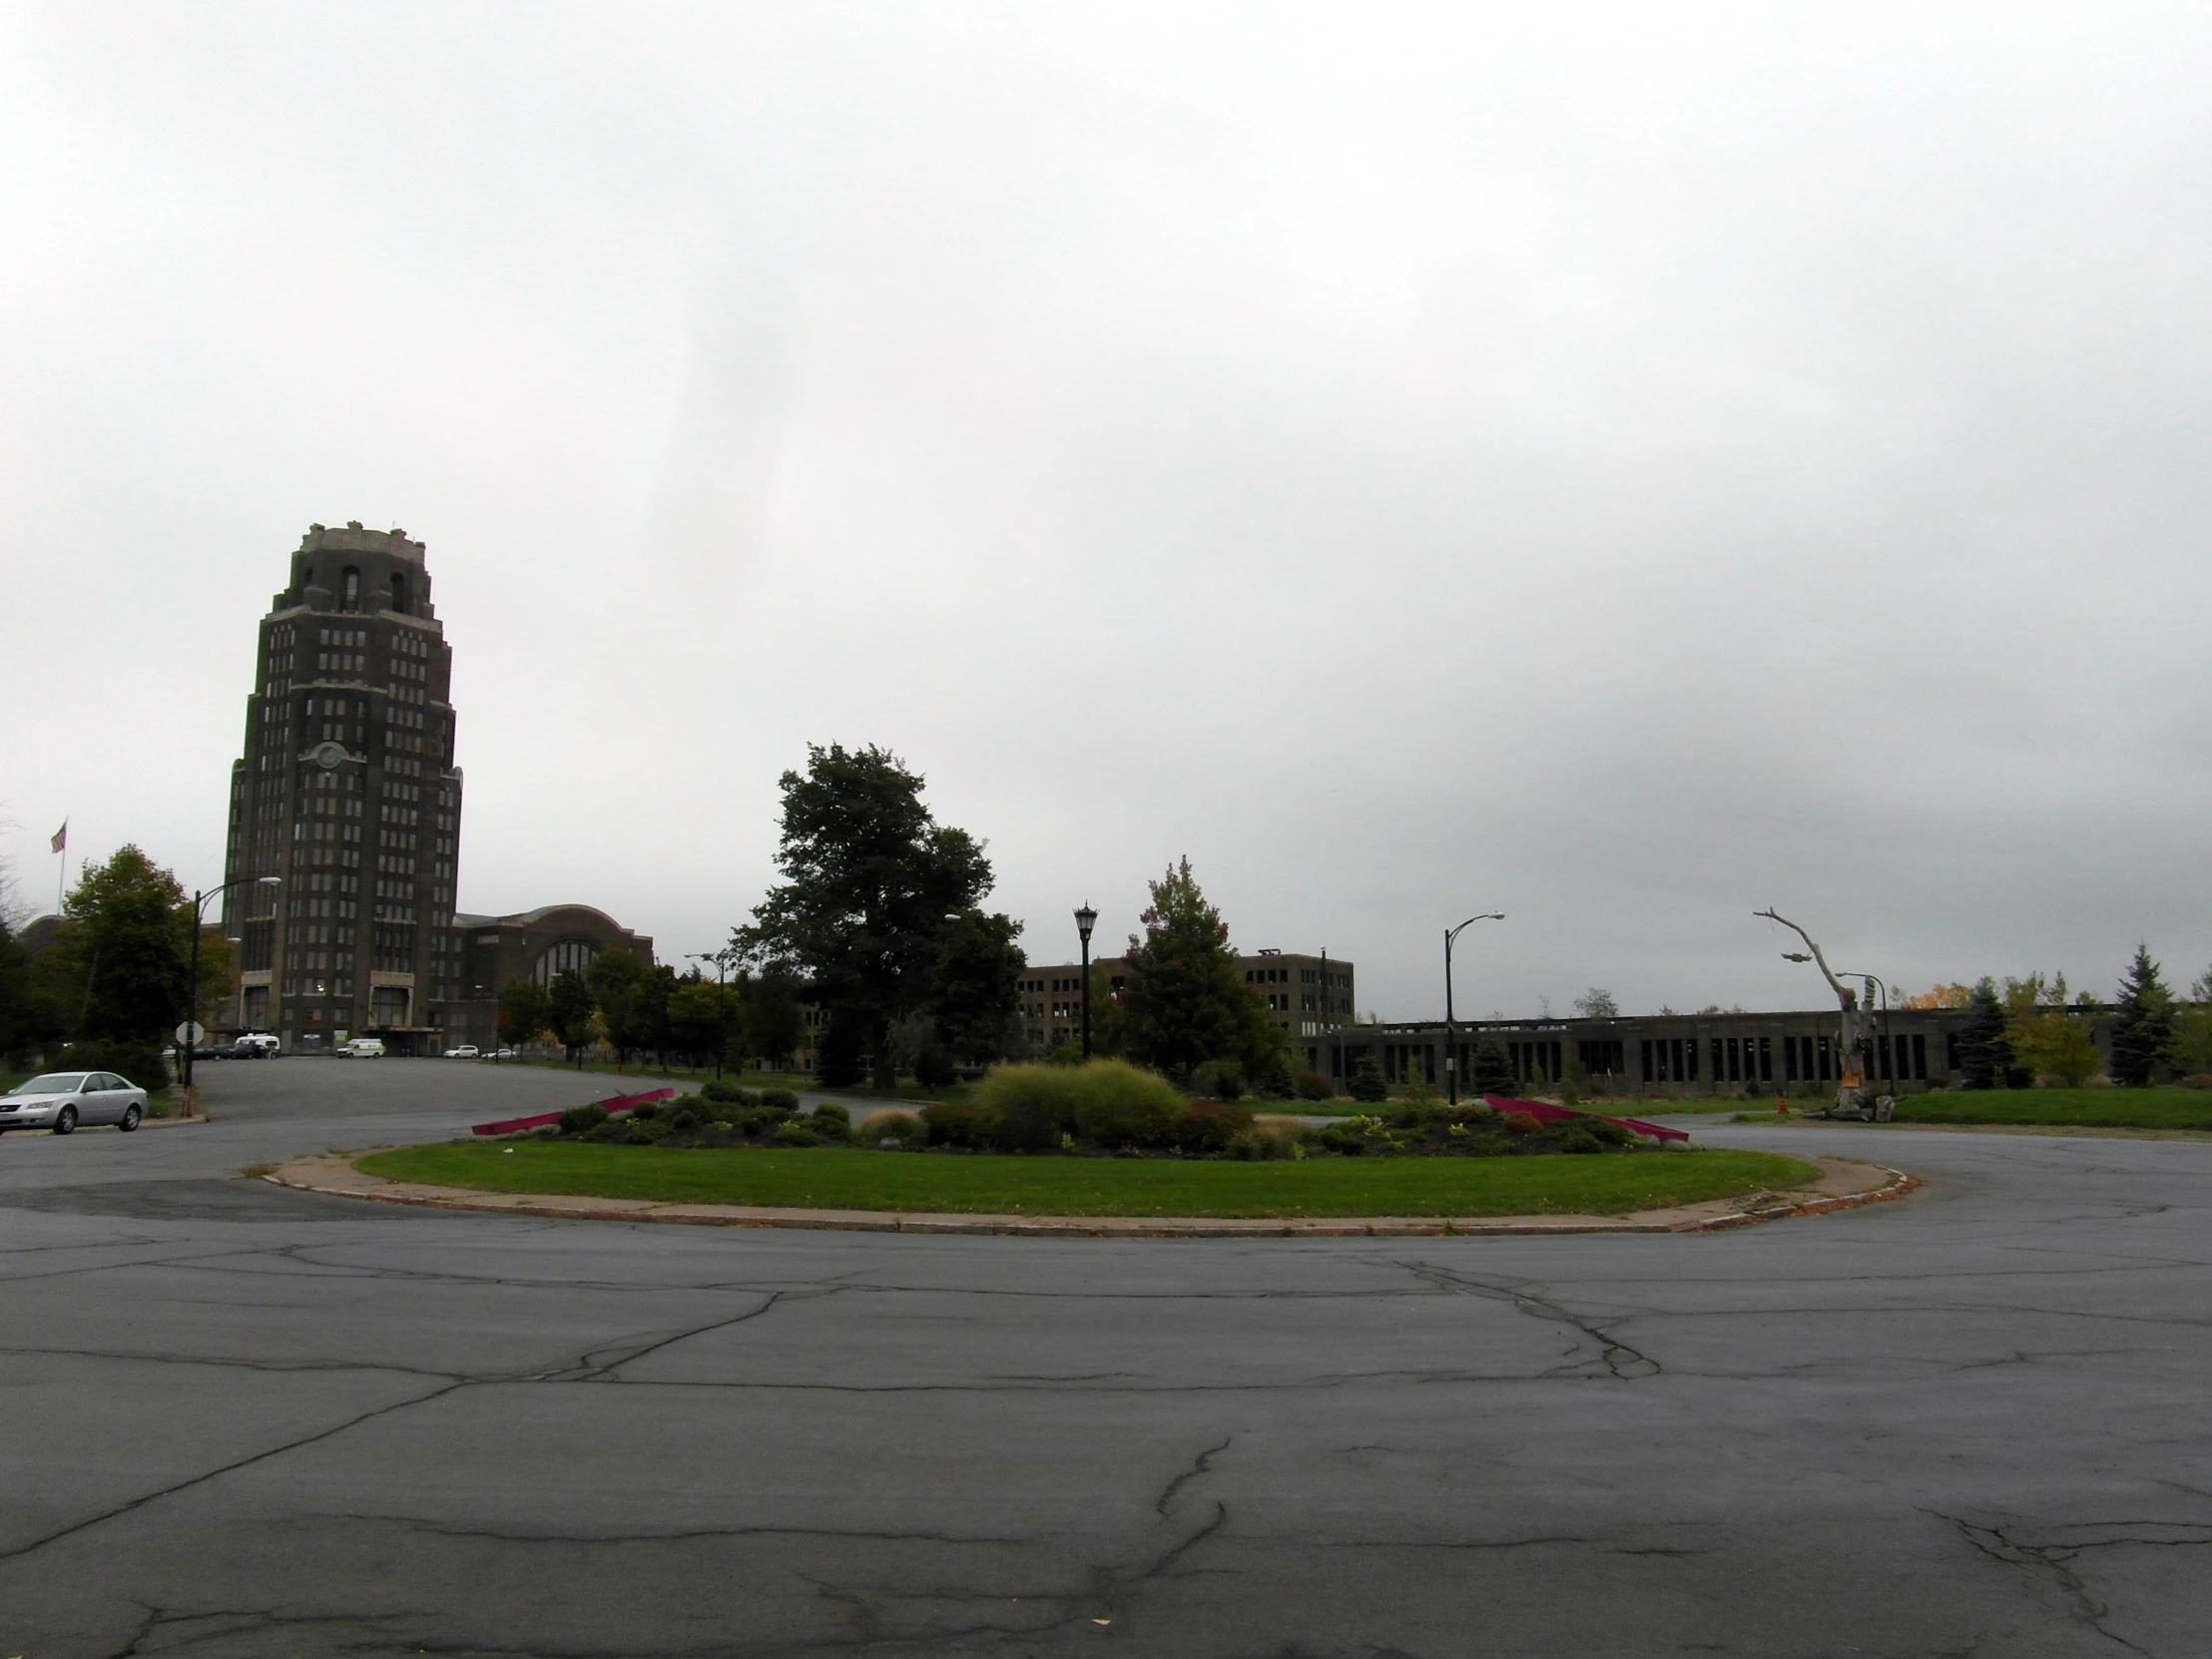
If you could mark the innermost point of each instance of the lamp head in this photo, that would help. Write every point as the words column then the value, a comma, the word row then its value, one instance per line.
column 1085, row 919
column 1795, row 957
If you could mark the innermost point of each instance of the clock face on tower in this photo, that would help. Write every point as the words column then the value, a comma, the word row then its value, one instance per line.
column 329, row 755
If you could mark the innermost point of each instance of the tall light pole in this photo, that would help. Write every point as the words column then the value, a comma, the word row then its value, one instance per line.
column 1452, row 1028
column 1085, row 919
column 199, row 913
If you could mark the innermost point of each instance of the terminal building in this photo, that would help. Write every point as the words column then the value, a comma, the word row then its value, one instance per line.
column 347, row 792
column 1709, row 1053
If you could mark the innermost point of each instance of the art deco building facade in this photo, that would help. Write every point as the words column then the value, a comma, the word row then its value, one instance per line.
column 347, row 791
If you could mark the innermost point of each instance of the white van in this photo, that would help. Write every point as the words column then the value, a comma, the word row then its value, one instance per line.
column 362, row 1048
column 254, row 1045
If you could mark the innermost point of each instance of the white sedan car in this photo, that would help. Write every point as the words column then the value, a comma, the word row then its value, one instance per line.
column 467, row 1051
column 61, row 1100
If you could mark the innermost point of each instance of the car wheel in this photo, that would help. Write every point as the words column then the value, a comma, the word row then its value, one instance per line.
column 131, row 1116
column 66, row 1122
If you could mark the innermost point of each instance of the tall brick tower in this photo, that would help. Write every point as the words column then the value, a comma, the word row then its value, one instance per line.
column 348, row 790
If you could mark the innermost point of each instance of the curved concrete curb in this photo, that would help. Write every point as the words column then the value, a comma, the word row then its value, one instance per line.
column 1846, row 1184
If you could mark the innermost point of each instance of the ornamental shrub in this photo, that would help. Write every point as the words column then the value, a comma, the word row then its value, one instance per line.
column 830, row 1111
column 970, row 1128
column 1118, row 1105
column 1207, row 1128
column 1367, row 1082
column 578, row 1120
column 779, row 1100
column 1523, row 1123
column 717, row 1089
column 795, row 1132
column 1035, row 1104
column 1310, row 1085
column 900, row 1130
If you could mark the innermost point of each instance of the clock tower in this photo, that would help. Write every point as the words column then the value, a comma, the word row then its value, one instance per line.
column 347, row 791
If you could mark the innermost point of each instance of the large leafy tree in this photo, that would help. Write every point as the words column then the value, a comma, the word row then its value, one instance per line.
column 1186, row 1001
column 524, row 1012
column 702, row 1018
column 975, row 988
column 2143, row 1024
column 617, row 981
column 127, row 929
column 569, row 1010
column 870, row 879
column 2045, row 1036
column 770, row 1023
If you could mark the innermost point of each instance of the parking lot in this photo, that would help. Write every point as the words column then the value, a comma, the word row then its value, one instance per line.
column 244, row 1420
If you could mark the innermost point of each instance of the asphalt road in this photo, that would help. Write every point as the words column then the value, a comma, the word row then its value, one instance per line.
column 238, row 1420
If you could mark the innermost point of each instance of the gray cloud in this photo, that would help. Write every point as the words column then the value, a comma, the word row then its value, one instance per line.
column 1620, row 466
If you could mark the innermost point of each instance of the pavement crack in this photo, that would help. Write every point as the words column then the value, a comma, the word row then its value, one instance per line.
column 230, row 1467
column 1201, row 1465
column 2048, row 1563
column 1621, row 1362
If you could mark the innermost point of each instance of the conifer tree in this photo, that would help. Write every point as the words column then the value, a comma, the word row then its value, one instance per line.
column 1985, row 1044
column 2143, row 1032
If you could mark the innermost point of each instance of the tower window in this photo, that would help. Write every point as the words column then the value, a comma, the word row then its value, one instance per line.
column 352, row 590
column 398, row 591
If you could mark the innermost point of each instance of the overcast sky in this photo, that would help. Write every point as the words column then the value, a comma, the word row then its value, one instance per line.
column 1624, row 466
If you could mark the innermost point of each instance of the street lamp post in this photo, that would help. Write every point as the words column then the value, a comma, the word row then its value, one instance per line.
column 198, row 911
column 1085, row 919
column 1452, row 1028
column 1850, row 1090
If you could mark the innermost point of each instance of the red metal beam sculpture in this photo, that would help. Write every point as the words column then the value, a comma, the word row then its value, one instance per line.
column 1544, row 1112
column 618, row 1103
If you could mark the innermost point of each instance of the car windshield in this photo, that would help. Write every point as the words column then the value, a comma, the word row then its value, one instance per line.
column 54, row 1082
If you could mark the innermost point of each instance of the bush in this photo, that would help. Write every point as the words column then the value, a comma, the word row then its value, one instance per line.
column 1207, row 1129
column 1523, row 1123
column 1035, row 1104
column 901, row 1129
column 1310, row 1085
column 779, row 1100
column 1109, row 1103
column 1367, row 1082
column 935, row 1068
column 727, row 1093
column 1573, row 1137
column 970, row 1128
column 2197, row 1080
column 795, row 1132
column 140, row 1064
column 580, row 1120
column 1118, row 1105
column 830, row 1111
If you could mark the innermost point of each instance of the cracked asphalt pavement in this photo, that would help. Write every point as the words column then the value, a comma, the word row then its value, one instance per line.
column 242, row 1420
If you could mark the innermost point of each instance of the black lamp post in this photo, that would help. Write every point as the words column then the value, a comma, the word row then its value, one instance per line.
column 1085, row 919
column 198, row 913
column 1452, row 1028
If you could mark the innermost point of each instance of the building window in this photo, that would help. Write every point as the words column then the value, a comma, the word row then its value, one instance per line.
column 398, row 591
column 351, row 600
column 568, row 954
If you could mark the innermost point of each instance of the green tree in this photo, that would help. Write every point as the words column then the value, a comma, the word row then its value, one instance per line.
column 19, row 1022
column 1491, row 1068
column 702, row 1018
column 974, row 990
column 617, row 981
column 870, row 878
column 646, row 1022
column 1597, row 1004
column 770, row 1023
column 129, row 923
column 1985, row 1050
column 524, row 1012
column 2044, row 1037
column 1186, row 1002
column 2143, row 1024
column 569, row 1010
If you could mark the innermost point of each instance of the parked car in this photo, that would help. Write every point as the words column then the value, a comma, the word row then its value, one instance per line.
column 61, row 1100
column 211, row 1051
column 254, row 1045
column 504, row 1054
column 467, row 1051
column 362, row 1048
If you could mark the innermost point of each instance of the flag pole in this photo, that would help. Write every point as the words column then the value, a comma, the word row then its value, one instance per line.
column 61, row 881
